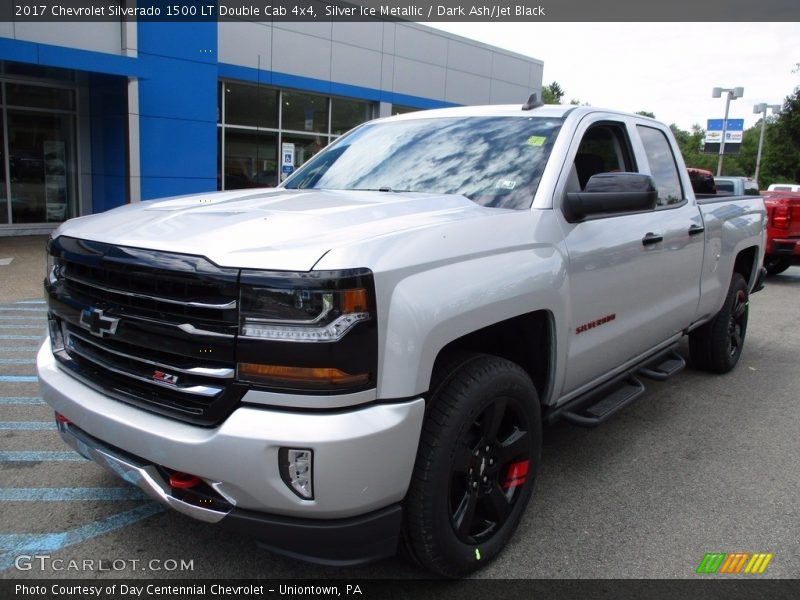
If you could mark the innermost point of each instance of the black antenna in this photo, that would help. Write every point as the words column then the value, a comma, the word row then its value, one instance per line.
column 533, row 102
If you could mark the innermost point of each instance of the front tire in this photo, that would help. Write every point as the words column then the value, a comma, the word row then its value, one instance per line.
column 717, row 345
column 476, row 464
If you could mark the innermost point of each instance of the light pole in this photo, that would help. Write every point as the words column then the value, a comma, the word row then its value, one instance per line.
column 762, row 109
column 733, row 94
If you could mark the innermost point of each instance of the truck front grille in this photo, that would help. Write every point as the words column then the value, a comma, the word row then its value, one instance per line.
column 153, row 329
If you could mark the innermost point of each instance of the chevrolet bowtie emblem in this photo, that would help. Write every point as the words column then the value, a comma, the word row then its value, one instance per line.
column 97, row 323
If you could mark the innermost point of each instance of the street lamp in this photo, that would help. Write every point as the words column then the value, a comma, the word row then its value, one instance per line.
column 762, row 109
column 733, row 94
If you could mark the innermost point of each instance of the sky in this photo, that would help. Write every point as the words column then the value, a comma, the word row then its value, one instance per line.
column 665, row 68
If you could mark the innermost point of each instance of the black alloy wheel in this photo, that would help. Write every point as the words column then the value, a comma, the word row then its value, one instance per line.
column 489, row 470
column 476, row 464
column 717, row 345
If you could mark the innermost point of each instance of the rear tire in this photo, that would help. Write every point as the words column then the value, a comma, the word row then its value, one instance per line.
column 476, row 464
column 776, row 264
column 717, row 345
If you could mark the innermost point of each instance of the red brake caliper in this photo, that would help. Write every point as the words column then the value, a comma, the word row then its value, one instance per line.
column 516, row 474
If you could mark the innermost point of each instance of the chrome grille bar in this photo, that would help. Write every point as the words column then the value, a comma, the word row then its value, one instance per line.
column 204, row 391
column 221, row 373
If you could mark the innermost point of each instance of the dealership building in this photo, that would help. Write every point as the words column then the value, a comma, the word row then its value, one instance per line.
column 96, row 115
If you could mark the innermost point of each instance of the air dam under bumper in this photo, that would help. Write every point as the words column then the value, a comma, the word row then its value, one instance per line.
column 333, row 541
column 363, row 458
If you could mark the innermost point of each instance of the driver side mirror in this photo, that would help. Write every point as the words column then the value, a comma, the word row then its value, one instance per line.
column 608, row 194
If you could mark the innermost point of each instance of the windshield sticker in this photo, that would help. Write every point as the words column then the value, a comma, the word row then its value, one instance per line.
column 536, row 140
column 506, row 184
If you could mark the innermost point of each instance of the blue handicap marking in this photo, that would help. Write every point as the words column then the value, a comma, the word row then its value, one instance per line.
column 21, row 400
column 27, row 426
column 71, row 494
column 14, row 544
column 18, row 378
column 21, row 316
column 43, row 456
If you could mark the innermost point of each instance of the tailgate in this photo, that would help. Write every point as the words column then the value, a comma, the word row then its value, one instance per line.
column 783, row 214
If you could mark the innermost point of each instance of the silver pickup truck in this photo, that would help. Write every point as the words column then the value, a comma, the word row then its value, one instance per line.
column 363, row 358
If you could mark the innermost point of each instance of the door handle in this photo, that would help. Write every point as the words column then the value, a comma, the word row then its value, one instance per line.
column 652, row 238
column 695, row 229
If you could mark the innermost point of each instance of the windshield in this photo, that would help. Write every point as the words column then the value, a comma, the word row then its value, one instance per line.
column 494, row 161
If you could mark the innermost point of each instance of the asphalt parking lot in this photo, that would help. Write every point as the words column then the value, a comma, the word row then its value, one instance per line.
column 699, row 464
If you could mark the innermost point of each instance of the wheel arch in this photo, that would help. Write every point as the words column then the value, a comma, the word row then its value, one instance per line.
column 746, row 264
column 527, row 340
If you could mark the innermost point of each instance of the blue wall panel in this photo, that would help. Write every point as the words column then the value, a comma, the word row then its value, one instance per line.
column 178, row 108
column 177, row 89
column 20, row 51
column 108, row 127
column 67, row 58
column 178, row 148
column 162, row 187
column 182, row 40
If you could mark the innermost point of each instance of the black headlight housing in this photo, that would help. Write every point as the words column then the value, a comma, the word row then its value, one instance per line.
column 315, row 332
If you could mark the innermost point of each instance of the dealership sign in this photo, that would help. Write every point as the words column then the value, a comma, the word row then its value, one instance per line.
column 734, row 133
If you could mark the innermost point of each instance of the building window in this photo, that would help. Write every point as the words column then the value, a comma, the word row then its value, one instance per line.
column 38, row 151
column 256, row 122
column 304, row 112
column 251, row 106
column 346, row 114
column 250, row 159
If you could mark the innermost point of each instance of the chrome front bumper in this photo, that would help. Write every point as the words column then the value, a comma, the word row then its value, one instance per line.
column 363, row 457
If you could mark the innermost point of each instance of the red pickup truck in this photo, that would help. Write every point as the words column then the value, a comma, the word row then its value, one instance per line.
column 783, row 231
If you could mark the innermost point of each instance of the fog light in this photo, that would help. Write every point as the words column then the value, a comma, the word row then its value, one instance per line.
column 296, row 467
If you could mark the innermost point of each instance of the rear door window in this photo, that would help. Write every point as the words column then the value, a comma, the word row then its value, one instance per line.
column 663, row 167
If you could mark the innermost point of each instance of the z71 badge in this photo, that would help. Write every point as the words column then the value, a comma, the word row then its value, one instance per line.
column 162, row 377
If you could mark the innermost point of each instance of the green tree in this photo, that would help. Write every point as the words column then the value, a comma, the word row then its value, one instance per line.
column 691, row 147
column 788, row 126
column 646, row 113
column 552, row 93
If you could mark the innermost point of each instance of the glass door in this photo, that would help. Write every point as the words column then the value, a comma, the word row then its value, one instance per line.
column 38, row 168
column 41, row 166
column 4, row 210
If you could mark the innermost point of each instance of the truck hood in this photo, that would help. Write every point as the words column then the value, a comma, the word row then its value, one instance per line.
column 269, row 228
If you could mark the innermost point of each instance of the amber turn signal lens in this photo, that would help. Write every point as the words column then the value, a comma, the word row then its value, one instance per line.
column 302, row 375
column 354, row 301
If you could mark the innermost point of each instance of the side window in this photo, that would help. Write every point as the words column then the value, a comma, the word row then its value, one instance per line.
column 725, row 186
column 603, row 149
column 663, row 168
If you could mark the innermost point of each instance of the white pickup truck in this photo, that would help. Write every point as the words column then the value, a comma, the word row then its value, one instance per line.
column 363, row 357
